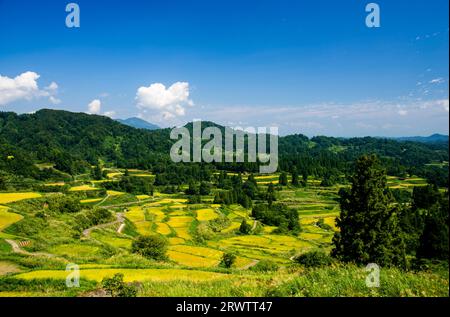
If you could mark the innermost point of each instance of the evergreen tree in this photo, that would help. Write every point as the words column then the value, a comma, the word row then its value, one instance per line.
column 369, row 228
column 434, row 239
column 294, row 177
column 270, row 194
column 245, row 228
column 283, row 180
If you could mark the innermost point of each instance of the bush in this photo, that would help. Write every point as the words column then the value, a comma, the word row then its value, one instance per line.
column 152, row 247
column 228, row 260
column 116, row 287
column 265, row 266
column 314, row 259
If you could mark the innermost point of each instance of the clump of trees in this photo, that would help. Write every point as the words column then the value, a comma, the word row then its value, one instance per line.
column 132, row 185
column 314, row 258
column 152, row 247
column 228, row 260
column 286, row 219
column 116, row 287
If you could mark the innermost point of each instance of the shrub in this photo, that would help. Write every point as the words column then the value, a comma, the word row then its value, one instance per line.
column 314, row 259
column 152, row 247
column 245, row 228
column 116, row 287
column 265, row 266
column 228, row 260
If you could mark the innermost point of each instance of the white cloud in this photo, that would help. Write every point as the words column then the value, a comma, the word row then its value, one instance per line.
column 53, row 86
column 54, row 100
column 110, row 114
column 24, row 87
column 95, row 106
column 402, row 112
column 165, row 103
column 437, row 81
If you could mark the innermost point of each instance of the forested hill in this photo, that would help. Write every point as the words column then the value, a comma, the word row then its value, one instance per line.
column 75, row 141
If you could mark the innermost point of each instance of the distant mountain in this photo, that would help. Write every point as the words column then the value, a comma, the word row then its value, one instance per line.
column 138, row 123
column 435, row 138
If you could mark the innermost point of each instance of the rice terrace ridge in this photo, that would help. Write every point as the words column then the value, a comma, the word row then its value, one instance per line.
column 224, row 156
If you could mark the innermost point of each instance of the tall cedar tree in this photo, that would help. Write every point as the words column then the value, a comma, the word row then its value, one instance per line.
column 369, row 229
column 283, row 180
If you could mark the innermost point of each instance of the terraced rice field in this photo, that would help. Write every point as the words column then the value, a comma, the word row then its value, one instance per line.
column 89, row 201
column 6, row 198
column 137, row 216
column 82, row 188
column 206, row 214
column 163, row 228
column 7, row 218
column 180, row 221
column 114, row 193
column 130, row 275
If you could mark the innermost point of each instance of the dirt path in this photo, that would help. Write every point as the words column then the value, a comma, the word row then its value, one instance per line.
column 254, row 225
column 17, row 249
column 119, row 220
column 246, row 267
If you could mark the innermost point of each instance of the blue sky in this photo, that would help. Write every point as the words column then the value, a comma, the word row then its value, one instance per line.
column 309, row 67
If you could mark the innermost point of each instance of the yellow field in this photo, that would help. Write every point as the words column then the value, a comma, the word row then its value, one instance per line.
column 163, row 228
column 130, row 275
column 183, row 233
column 93, row 200
column 157, row 212
column 55, row 184
column 206, row 214
column 114, row 193
column 232, row 227
column 180, row 221
column 6, row 198
column 142, row 197
column 172, row 200
column 175, row 241
column 8, row 218
column 144, row 228
column 74, row 250
column 114, row 174
column 199, row 251
column 82, row 188
column 191, row 260
column 135, row 214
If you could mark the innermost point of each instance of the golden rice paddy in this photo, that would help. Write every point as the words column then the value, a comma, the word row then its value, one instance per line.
column 206, row 214
column 163, row 228
column 82, row 188
column 6, row 198
column 130, row 275
column 8, row 218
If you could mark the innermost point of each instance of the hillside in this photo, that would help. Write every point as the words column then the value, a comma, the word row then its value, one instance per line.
column 75, row 141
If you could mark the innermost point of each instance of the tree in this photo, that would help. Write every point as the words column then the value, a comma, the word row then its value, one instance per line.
column 304, row 178
column 152, row 247
column 245, row 228
column 205, row 188
column 116, row 287
column 228, row 260
column 283, row 180
column 96, row 172
column 433, row 242
column 270, row 194
column 294, row 177
column 369, row 229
